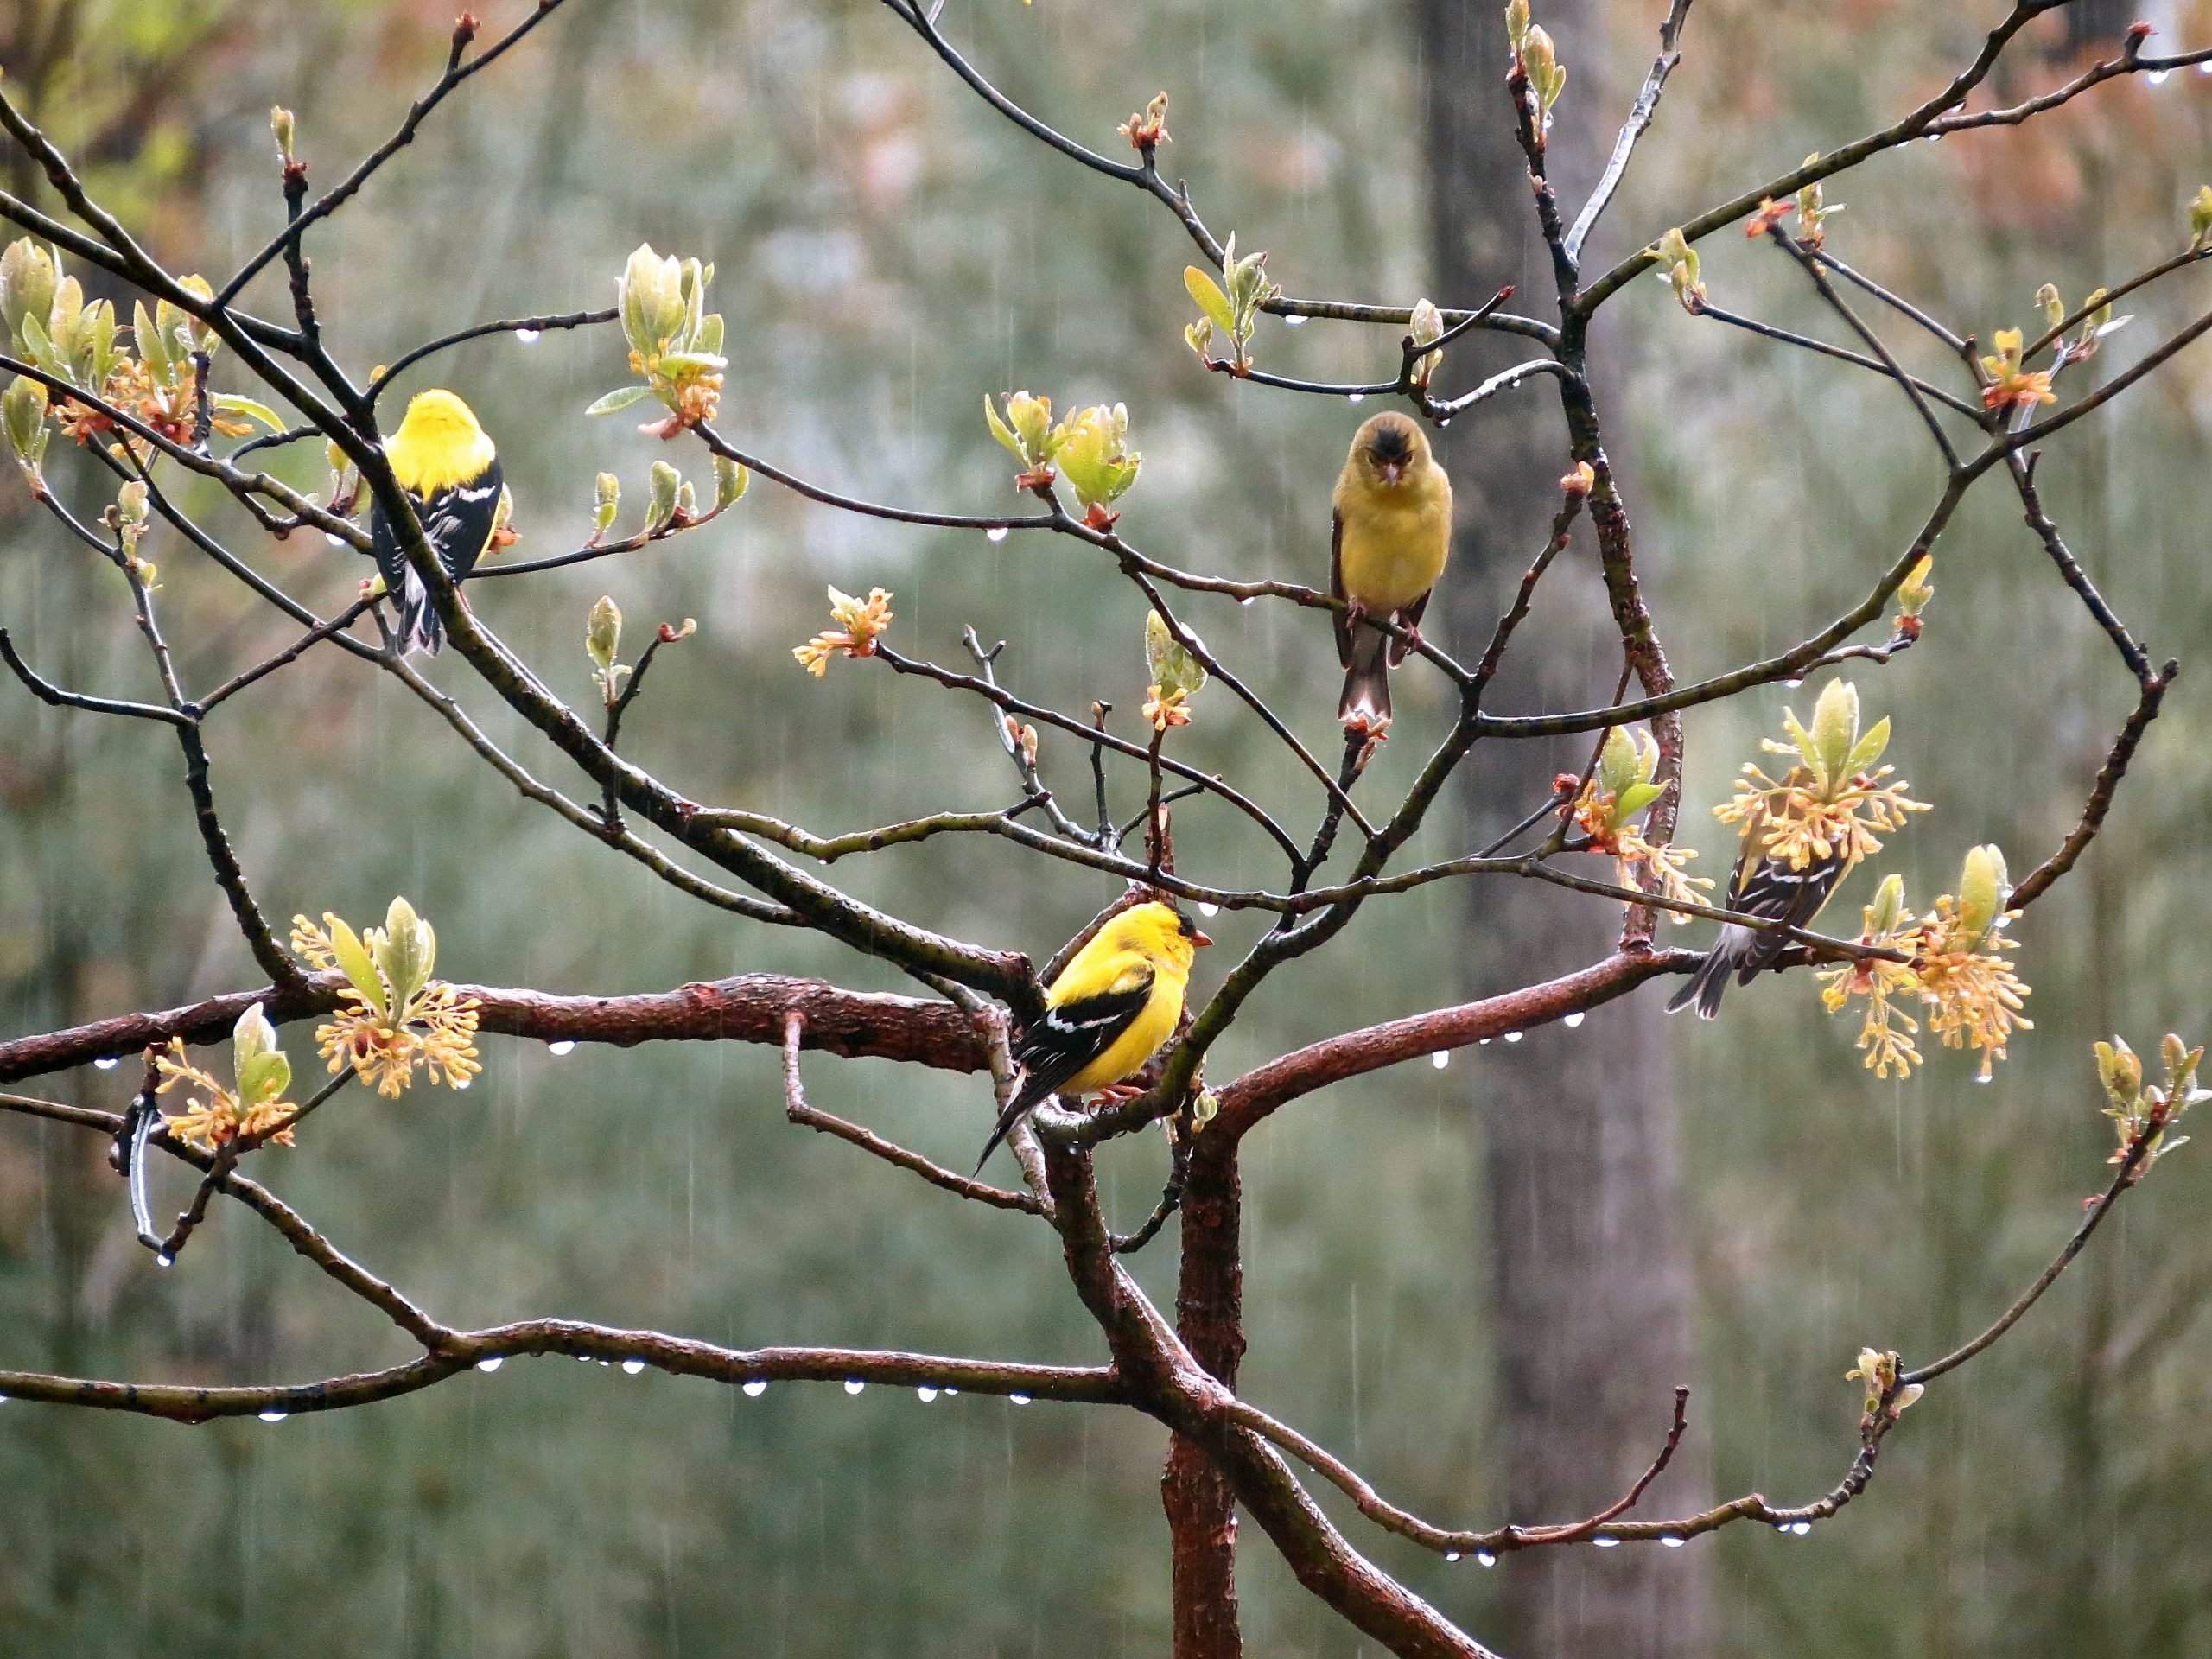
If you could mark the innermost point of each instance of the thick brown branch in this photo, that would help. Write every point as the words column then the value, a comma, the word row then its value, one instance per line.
column 1261, row 1090
column 749, row 1008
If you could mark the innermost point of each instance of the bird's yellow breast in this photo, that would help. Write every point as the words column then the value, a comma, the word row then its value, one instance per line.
column 1396, row 539
column 1125, row 1055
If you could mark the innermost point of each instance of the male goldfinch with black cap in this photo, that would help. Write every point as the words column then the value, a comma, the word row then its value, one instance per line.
column 1108, row 1012
column 446, row 463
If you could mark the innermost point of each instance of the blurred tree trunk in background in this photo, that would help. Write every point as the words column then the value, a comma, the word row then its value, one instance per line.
column 1590, row 1274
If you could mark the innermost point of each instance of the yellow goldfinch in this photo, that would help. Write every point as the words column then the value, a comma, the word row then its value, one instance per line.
column 1765, row 887
column 1108, row 1012
column 446, row 463
column 1393, row 533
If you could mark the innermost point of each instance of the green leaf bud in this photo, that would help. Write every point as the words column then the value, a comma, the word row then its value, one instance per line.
column 603, row 633
column 731, row 480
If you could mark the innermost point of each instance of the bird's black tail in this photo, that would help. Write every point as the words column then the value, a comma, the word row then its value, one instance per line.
column 1016, row 1109
column 419, row 627
column 1367, row 679
column 1710, row 982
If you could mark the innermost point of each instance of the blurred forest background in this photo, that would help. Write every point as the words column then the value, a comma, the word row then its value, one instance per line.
column 889, row 251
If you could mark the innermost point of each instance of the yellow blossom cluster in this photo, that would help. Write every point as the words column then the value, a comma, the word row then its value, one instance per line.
column 396, row 1016
column 255, row 1110
column 1956, row 968
column 1621, row 786
column 860, row 621
column 1834, row 803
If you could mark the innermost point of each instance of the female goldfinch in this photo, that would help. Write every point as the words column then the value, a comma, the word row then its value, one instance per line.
column 1765, row 886
column 447, row 465
column 1393, row 533
column 1112, row 1006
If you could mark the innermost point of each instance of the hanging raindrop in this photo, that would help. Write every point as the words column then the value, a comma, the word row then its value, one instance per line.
column 1441, row 1058
column 335, row 541
column 1293, row 322
column 1485, row 1559
column 528, row 336
column 1019, row 1399
column 1206, row 909
column 165, row 1260
column 631, row 1367
column 854, row 1385
column 107, row 1064
column 1673, row 1543
column 1451, row 1554
column 1574, row 1020
column 1356, row 397
column 273, row 1417
column 487, row 1366
column 558, row 1049
column 996, row 533
column 1513, row 1036
column 2158, row 77
column 1606, row 1543
column 1801, row 1527
column 925, row 1394
column 756, row 1388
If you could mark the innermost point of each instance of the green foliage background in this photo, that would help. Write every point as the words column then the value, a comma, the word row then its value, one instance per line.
column 889, row 251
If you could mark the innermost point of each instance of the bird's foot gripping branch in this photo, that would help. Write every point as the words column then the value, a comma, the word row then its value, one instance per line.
column 186, row 396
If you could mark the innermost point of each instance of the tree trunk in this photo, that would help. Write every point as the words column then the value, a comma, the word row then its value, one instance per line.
column 1589, row 1277
column 1209, row 1316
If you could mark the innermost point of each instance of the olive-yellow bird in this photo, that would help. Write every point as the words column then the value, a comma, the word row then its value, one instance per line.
column 1112, row 1006
column 446, row 463
column 1393, row 533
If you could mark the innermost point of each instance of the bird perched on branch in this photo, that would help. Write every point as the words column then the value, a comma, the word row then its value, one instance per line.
column 1393, row 533
column 446, row 463
column 1112, row 1006
column 1766, row 887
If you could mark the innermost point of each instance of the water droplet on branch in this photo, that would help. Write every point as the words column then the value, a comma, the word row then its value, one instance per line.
column 756, row 1388
column 1606, row 1543
column 1293, row 322
column 854, row 1385
column 996, row 533
column 528, row 336
column 1574, row 1020
column 273, row 1417
column 487, row 1366
column 1485, row 1558
column 1019, row 1399
column 107, row 1064
column 563, row 1047
column 1441, row 1058
column 1206, row 909
column 631, row 1367
column 1515, row 1036
column 1673, row 1543
column 925, row 1394
column 1451, row 1554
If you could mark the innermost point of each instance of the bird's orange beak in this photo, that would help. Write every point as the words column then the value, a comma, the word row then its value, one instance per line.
column 1197, row 938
